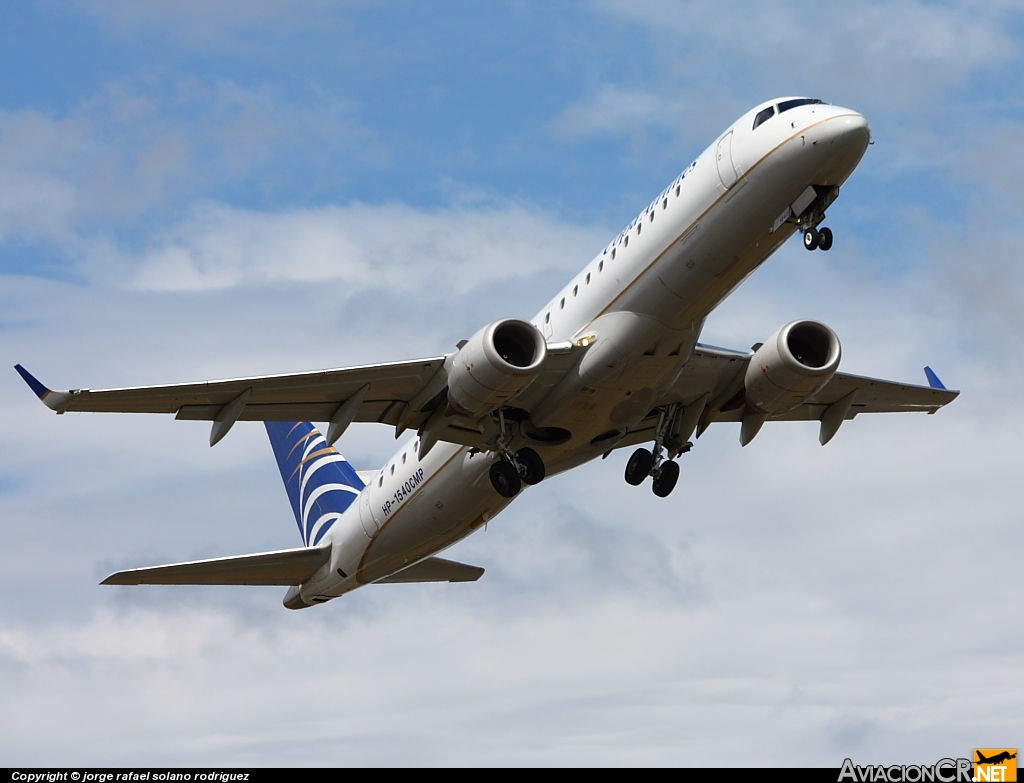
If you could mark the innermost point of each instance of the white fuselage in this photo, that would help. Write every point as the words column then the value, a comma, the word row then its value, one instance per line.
column 641, row 302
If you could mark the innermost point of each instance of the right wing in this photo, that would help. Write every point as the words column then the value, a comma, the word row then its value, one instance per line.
column 305, row 396
column 401, row 394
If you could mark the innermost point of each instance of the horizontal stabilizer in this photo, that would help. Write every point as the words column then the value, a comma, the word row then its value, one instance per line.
column 285, row 567
column 435, row 569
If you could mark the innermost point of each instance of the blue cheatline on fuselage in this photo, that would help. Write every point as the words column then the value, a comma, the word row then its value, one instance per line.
column 320, row 482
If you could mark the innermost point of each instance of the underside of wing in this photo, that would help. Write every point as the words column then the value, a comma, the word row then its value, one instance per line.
column 715, row 376
column 434, row 569
column 307, row 396
column 285, row 567
column 870, row 395
column 400, row 394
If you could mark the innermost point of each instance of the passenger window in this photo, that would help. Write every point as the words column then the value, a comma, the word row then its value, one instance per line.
column 547, row 317
column 600, row 267
column 588, row 278
column 392, row 470
column 403, row 458
column 380, row 481
column 764, row 115
column 638, row 227
column 626, row 243
column 664, row 203
column 561, row 305
column 677, row 189
column 652, row 215
column 575, row 289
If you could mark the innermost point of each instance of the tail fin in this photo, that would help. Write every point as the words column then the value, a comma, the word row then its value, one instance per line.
column 320, row 482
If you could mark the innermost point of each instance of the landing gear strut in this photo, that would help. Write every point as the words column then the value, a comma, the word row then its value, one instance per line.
column 514, row 468
column 643, row 463
column 813, row 214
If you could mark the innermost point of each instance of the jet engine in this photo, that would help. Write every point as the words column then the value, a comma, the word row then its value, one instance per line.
column 495, row 365
column 794, row 363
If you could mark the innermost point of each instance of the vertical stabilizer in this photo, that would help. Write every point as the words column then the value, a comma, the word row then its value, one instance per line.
column 320, row 482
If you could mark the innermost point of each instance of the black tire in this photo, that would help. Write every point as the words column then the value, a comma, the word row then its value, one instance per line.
column 825, row 239
column 532, row 464
column 505, row 479
column 666, row 482
column 639, row 467
column 811, row 239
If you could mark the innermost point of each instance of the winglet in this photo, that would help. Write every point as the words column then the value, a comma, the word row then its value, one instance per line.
column 33, row 382
column 51, row 399
column 933, row 379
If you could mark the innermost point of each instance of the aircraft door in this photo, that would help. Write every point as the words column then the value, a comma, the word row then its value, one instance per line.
column 366, row 513
column 726, row 171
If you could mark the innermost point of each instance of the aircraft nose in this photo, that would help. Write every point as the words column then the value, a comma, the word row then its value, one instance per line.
column 845, row 137
column 850, row 132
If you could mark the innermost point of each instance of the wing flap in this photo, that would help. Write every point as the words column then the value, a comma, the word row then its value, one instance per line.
column 284, row 567
column 434, row 569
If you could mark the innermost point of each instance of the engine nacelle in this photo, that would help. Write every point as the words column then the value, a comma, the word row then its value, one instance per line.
column 790, row 366
column 495, row 365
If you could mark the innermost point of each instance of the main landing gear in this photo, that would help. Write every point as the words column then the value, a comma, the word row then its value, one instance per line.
column 641, row 465
column 818, row 238
column 511, row 471
column 665, row 472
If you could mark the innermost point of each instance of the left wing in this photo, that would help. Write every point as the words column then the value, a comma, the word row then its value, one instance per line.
column 719, row 373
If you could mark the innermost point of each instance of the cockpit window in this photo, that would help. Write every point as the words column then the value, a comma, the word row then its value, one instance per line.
column 764, row 115
column 787, row 105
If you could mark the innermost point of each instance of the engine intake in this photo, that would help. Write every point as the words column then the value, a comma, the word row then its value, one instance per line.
column 495, row 365
column 794, row 363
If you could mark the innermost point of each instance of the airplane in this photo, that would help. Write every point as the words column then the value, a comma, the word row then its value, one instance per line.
column 611, row 361
column 999, row 758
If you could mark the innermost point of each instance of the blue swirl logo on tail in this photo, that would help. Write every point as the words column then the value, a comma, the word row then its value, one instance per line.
column 320, row 482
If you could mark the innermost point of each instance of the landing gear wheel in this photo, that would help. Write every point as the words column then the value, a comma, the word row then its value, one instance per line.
column 639, row 467
column 811, row 239
column 824, row 238
column 666, row 481
column 532, row 466
column 505, row 479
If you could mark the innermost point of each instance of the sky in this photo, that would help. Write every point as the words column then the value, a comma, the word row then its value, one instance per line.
column 195, row 190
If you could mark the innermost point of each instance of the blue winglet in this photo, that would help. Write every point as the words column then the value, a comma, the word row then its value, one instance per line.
column 40, row 390
column 933, row 379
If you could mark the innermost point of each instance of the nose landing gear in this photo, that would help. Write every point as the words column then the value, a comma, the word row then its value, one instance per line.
column 818, row 239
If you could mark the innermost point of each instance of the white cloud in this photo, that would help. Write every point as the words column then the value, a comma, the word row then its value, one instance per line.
column 148, row 146
column 899, row 61
column 614, row 111
column 439, row 253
